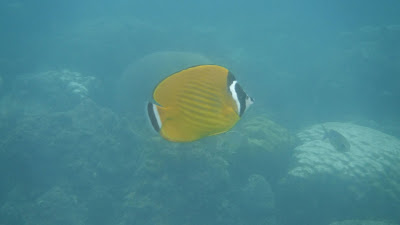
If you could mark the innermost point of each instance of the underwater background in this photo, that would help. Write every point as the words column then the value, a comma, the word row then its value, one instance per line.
column 76, row 146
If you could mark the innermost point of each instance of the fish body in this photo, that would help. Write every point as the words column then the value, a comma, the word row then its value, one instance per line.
column 337, row 140
column 197, row 102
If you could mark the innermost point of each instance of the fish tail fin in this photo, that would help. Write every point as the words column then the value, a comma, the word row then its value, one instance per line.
column 153, row 113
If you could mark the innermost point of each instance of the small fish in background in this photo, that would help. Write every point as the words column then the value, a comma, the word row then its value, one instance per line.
column 337, row 140
column 197, row 102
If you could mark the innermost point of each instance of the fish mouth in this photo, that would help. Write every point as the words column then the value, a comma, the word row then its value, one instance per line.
column 249, row 101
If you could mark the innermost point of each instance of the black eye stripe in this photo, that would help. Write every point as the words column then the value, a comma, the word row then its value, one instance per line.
column 242, row 98
column 241, row 95
column 230, row 80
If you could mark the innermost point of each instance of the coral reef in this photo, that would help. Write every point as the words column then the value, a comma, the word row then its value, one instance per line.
column 257, row 197
column 55, row 163
column 58, row 207
column 64, row 159
column 368, row 172
column 51, row 90
column 213, row 181
column 178, row 185
column 260, row 146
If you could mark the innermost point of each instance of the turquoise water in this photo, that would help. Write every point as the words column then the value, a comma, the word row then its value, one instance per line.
column 76, row 147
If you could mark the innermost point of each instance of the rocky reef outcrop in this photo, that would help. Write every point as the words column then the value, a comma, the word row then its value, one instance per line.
column 363, row 180
column 213, row 181
column 60, row 153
